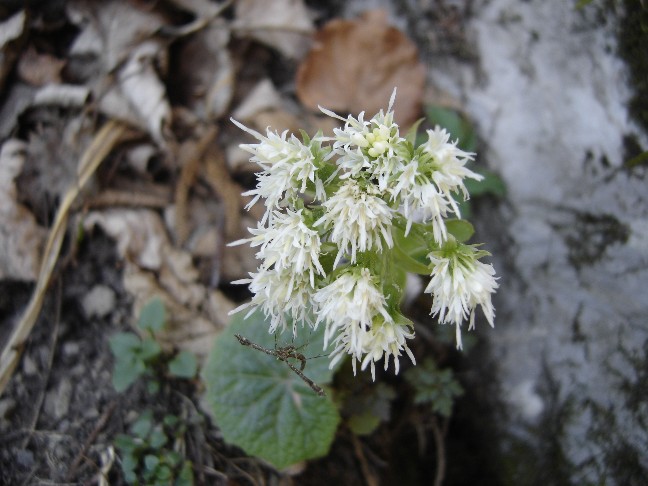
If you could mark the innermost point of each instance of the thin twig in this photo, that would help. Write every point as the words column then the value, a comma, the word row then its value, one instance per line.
column 284, row 354
column 101, row 423
column 50, row 363
column 440, row 452
column 370, row 478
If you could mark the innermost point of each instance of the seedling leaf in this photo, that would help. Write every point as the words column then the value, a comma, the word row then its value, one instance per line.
column 152, row 316
column 184, row 365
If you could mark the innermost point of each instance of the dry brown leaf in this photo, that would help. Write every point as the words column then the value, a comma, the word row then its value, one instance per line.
column 206, row 72
column 264, row 96
column 145, row 93
column 282, row 24
column 110, row 29
column 40, row 69
column 123, row 40
column 21, row 238
column 355, row 65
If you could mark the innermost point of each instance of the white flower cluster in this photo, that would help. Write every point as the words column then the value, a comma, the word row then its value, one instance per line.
column 330, row 260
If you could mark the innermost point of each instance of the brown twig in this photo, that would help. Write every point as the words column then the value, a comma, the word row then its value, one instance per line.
column 440, row 452
column 48, row 371
column 190, row 162
column 101, row 423
column 370, row 478
column 112, row 197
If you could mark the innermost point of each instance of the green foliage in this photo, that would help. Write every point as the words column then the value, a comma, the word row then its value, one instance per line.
column 641, row 159
column 435, row 387
column 153, row 316
column 364, row 404
column 133, row 358
column 147, row 456
column 260, row 404
column 184, row 365
column 136, row 357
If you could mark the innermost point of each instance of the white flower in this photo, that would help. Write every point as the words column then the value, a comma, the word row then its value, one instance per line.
column 371, row 145
column 287, row 166
column 360, row 220
column 449, row 164
column 279, row 293
column 458, row 285
column 421, row 200
column 350, row 302
column 288, row 244
column 384, row 338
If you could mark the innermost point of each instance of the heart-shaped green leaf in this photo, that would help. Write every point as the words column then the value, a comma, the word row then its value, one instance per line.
column 261, row 404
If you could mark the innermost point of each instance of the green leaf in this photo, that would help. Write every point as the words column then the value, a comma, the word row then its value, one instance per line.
column 410, row 254
column 158, row 438
column 143, row 425
column 260, row 404
column 184, row 365
column 149, row 350
column 124, row 344
column 125, row 443
column 368, row 406
column 164, row 474
column 363, row 423
column 170, row 421
column 433, row 386
column 490, row 184
column 152, row 386
column 456, row 124
column 129, row 465
column 151, row 462
column 642, row 158
column 461, row 229
column 172, row 458
column 411, row 135
column 126, row 372
column 152, row 316
column 185, row 478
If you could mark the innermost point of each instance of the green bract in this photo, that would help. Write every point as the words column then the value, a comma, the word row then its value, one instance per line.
column 260, row 404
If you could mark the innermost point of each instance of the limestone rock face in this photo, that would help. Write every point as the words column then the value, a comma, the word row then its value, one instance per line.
column 550, row 98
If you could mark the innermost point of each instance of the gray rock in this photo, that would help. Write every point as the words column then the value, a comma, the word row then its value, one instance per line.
column 99, row 302
column 550, row 100
column 57, row 401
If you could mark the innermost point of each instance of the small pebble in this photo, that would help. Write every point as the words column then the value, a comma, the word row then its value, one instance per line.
column 99, row 302
column 29, row 365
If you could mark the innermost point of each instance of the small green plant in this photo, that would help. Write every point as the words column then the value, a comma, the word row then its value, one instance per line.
column 150, row 453
column 145, row 454
column 435, row 387
column 137, row 356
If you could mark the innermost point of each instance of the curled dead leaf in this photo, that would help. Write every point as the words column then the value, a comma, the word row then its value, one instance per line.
column 282, row 24
column 354, row 66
